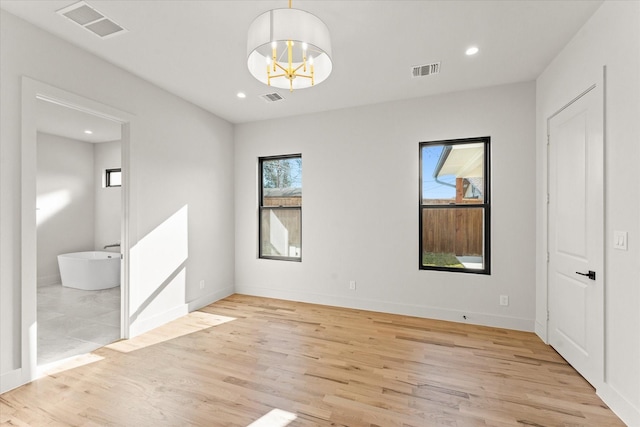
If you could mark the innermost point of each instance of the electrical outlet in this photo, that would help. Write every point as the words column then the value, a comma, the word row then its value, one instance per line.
column 201, row 284
column 504, row 300
column 352, row 285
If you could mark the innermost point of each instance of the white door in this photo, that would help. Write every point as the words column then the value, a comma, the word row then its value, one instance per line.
column 576, row 234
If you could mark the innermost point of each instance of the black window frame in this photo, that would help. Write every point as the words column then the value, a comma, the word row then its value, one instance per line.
column 486, row 206
column 262, row 208
column 107, row 176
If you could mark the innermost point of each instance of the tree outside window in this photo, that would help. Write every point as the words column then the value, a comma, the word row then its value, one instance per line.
column 280, row 222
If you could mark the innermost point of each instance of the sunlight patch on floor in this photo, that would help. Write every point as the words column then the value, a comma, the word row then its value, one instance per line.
column 192, row 322
column 274, row 418
column 66, row 364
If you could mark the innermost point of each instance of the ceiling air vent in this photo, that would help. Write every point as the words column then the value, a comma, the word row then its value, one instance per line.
column 425, row 70
column 272, row 97
column 90, row 19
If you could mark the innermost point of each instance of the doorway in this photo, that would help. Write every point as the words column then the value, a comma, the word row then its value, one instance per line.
column 575, row 239
column 77, row 212
column 34, row 95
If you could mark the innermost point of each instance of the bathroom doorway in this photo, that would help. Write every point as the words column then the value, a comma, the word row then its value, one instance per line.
column 68, row 144
column 78, row 220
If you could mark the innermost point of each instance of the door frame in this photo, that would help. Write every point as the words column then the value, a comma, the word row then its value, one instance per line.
column 32, row 92
column 598, row 81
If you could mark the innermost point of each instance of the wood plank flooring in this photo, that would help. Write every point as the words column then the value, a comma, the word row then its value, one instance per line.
column 264, row 362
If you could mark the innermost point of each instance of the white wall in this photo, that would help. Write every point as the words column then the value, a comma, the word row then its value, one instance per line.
column 181, row 156
column 108, row 200
column 612, row 38
column 360, row 207
column 65, row 201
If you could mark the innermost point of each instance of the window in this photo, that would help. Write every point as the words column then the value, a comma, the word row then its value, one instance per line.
column 280, row 216
column 454, row 205
column 113, row 178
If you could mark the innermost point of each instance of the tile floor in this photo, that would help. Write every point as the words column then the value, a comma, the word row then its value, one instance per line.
column 73, row 321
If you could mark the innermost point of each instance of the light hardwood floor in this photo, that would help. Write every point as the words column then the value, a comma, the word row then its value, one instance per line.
column 245, row 359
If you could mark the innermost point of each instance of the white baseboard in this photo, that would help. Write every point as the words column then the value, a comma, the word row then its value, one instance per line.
column 10, row 380
column 627, row 411
column 541, row 331
column 140, row 326
column 52, row 279
column 484, row 319
column 205, row 300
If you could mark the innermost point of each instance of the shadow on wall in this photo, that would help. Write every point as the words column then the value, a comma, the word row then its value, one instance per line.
column 158, row 268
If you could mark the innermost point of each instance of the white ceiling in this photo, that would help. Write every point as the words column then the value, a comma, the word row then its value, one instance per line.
column 63, row 121
column 197, row 49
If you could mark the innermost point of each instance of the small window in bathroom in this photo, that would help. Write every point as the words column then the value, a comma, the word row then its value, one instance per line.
column 113, row 177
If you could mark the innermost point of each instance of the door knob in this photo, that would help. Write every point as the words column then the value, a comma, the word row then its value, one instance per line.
column 591, row 274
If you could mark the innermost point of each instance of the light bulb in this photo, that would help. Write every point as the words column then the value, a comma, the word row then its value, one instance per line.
column 268, row 59
column 304, row 46
column 274, row 45
column 311, row 60
column 472, row 51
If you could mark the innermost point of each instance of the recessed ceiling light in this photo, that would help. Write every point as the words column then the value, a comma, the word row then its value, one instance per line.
column 472, row 51
column 241, row 95
column 88, row 132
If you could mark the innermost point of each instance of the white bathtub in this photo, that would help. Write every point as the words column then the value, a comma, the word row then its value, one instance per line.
column 90, row 271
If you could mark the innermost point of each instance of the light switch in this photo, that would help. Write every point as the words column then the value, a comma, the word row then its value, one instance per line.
column 620, row 240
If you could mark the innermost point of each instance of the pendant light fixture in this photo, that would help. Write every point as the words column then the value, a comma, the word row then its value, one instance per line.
column 289, row 49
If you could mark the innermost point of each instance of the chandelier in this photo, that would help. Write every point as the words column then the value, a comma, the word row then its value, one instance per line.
column 289, row 49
